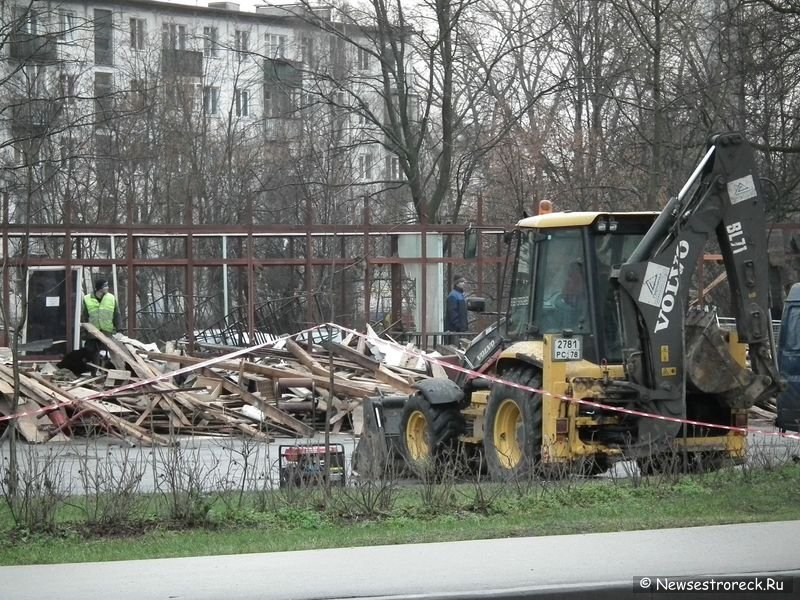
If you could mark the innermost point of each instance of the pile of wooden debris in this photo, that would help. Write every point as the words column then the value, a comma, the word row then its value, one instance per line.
column 283, row 389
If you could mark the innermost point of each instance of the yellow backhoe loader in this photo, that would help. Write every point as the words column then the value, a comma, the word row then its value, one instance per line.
column 597, row 313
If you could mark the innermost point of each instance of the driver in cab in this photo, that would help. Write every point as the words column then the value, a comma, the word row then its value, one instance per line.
column 572, row 301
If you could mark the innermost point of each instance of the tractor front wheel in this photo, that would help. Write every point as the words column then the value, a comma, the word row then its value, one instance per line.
column 427, row 431
column 512, row 438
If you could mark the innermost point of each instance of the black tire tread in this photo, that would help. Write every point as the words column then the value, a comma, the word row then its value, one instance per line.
column 446, row 423
column 531, row 406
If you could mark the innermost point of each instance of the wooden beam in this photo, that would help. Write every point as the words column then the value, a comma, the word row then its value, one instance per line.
column 350, row 389
column 377, row 370
column 305, row 358
column 273, row 413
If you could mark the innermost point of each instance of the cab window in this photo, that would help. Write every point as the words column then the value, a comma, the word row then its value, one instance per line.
column 611, row 250
column 562, row 291
column 519, row 308
column 790, row 330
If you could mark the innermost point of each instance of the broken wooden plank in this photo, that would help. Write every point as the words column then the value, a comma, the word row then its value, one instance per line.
column 179, row 420
column 6, row 388
column 39, row 390
column 305, row 358
column 26, row 418
column 116, row 377
column 62, row 397
column 147, row 411
column 142, row 369
column 129, row 429
column 212, row 383
column 339, row 384
column 270, row 411
column 345, row 410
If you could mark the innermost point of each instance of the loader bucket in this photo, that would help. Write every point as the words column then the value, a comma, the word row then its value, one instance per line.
column 712, row 368
column 378, row 448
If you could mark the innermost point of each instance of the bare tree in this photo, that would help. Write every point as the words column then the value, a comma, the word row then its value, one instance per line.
column 36, row 92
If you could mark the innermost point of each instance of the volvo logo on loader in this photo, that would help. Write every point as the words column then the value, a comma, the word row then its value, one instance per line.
column 673, row 284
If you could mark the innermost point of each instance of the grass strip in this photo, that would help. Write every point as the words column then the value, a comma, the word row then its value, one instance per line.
column 423, row 513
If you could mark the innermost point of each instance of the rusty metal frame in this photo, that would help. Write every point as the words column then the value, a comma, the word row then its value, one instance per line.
column 310, row 231
column 489, row 256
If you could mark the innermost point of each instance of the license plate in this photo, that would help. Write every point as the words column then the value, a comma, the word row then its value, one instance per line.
column 567, row 348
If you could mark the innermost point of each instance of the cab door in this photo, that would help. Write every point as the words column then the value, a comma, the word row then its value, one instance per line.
column 789, row 364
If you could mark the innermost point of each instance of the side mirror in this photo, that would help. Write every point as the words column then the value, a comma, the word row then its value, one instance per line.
column 471, row 241
column 476, row 304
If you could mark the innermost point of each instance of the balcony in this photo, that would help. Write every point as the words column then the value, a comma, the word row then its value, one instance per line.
column 182, row 62
column 281, row 130
column 34, row 48
column 285, row 73
column 34, row 117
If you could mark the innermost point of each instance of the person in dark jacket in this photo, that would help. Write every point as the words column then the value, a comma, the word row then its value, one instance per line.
column 456, row 307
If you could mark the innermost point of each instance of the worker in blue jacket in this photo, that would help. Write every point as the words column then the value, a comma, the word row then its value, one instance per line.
column 456, row 307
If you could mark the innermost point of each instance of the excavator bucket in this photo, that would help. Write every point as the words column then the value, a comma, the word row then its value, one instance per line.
column 712, row 368
column 378, row 449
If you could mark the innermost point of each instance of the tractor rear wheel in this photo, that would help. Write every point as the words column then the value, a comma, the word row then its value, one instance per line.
column 427, row 431
column 512, row 438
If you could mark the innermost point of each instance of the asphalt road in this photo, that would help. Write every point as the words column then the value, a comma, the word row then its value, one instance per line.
column 604, row 565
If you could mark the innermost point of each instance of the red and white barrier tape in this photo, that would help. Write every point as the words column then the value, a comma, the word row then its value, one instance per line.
column 447, row 365
column 627, row 411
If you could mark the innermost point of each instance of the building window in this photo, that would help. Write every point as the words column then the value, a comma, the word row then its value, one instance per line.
column 138, row 94
column 67, row 24
column 210, row 100
column 66, row 86
column 36, row 76
column 173, row 36
column 103, row 37
column 242, row 100
column 365, row 166
column 182, row 97
column 138, row 30
column 104, row 97
column 210, row 41
column 363, row 115
column 393, row 172
column 276, row 46
column 27, row 19
column 269, row 104
column 278, row 102
column 364, row 59
column 241, row 43
column 307, row 50
column 68, row 151
column 337, row 56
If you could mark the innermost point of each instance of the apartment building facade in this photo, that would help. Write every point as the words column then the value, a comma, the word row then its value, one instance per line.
column 280, row 77
column 192, row 148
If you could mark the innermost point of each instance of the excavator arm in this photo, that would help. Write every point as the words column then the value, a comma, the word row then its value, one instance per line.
column 723, row 197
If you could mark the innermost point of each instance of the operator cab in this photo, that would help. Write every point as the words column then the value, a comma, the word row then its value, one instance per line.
column 561, row 282
column 789, row 362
